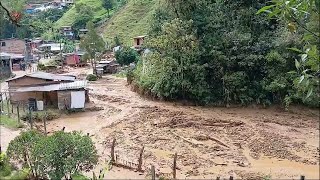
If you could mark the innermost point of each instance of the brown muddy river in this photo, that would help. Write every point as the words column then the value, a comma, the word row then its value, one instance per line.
column 246, row 143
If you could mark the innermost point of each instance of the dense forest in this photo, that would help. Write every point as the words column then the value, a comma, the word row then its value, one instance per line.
column 229, row 52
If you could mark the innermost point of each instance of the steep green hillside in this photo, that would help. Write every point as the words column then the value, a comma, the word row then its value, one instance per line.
column 132, row 20
column 70, row 16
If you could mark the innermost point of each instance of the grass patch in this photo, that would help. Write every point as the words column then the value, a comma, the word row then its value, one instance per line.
column 132, row 20
column 9, row 122
column 70, row 16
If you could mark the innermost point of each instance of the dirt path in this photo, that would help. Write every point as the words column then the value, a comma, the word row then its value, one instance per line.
column 210, row 142
column 6, row 135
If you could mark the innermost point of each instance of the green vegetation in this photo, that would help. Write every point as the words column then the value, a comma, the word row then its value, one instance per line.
column 40, row 115
column 9, row 122
column 5, row 167
column 55, row 156
column 91, row 77
column 93, row 44
column 200, row 52
column 130, row 21
column 70, row 17
column 79, row 177
column 126, row 55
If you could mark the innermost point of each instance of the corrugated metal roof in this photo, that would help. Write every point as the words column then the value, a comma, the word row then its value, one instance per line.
column 53, row 87
column 48, row 76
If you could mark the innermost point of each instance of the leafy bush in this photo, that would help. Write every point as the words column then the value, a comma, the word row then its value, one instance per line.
column 53, row 156
column 5, row 167
column 126, row 55
column 79, row 176
column 39, row 116
column 20, row 175
column 41, row 67
column 92, row 77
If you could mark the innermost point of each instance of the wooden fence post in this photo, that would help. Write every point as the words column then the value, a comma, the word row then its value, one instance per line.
column 302, row 177
column 174, row 168
column 31, row 119
column 2, row 109
column 153, row 173
column 45, row 124
column 140, row 159
column 18, row 113
column 112, row 150
column 8, row 107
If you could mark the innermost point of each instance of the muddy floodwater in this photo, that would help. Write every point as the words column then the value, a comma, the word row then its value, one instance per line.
column 245, row 142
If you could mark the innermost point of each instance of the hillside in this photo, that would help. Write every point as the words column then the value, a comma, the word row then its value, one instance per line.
column 70, row 16
column 132, row 20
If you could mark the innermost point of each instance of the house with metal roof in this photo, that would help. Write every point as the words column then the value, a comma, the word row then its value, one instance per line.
column 41, row 90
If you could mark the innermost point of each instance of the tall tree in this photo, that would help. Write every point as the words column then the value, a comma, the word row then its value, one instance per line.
column 108, row 5
column 93, row 44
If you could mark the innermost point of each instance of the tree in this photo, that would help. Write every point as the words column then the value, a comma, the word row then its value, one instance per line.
column 84, row 15
column 126, row 55
column 108, row 5
column 54, row 157
column 302, row 16
column 21, row 147
column 92, row 43
column 64, row 154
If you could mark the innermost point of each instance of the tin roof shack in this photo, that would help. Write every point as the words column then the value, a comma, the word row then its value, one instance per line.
column 5, row 65
column 39, row 80
column 71, row 95
column 54, row 48
column 73, row 59
column 138, row 42
column 108, row 66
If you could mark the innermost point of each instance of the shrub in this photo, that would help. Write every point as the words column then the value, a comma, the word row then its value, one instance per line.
column 53, row 157
column 42, row 67
column 20, row 175
column 91, row 77
column 39, row 116
column 5, row 167
column 126, row 55
column 79, row 176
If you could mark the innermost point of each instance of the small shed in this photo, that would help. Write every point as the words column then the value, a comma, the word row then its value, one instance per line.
column 72, row 59
column 138, row 41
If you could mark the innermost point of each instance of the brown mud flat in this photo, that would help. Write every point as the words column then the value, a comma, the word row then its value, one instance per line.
column 210, row 142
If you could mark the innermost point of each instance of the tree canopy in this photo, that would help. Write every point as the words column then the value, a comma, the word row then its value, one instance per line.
column 222, row 52
column 59, row 155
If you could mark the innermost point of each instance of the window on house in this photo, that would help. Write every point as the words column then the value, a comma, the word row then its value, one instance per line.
column 3, row 43
column 138, row 42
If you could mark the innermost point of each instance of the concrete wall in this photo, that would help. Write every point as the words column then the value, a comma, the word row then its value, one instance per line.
column 15, row 46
